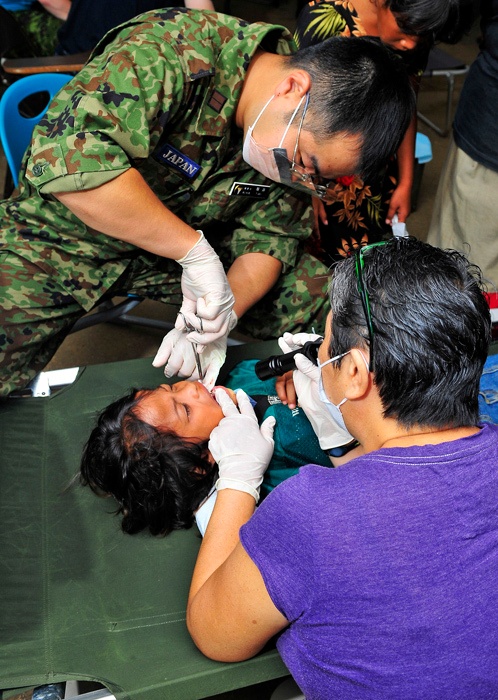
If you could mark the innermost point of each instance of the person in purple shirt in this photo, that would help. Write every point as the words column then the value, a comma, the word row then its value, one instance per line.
column 380, row 575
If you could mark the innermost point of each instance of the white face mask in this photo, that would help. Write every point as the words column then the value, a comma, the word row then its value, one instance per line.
column 334, row 409
column 262, row 158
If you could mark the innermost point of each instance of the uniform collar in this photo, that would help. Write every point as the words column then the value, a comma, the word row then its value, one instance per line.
column 220, row 103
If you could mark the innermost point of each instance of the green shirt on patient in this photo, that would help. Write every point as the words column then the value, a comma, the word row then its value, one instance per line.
column 295, row 441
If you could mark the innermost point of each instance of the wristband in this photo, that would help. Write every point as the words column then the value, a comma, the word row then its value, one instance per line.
column 342, row 449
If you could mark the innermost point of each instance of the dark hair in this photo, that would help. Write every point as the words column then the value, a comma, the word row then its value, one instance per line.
column 432, row 329
column 157, row 478
column 359, row 87
column 438, row 20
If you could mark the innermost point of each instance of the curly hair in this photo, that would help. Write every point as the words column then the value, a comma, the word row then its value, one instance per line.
column 157, row 478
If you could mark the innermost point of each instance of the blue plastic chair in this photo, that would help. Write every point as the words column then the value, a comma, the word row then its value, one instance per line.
column 15, row 136
column 16, row 129
column 423, row 154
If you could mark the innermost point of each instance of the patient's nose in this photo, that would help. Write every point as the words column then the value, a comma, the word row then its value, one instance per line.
column 190, row 388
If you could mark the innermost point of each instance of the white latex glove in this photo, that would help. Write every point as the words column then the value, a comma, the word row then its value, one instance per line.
column 176, row 353
column 293, row 341
column 207, row 296
column 241, row 448
column 306, row 378
column 212, row 360
column 398, row 227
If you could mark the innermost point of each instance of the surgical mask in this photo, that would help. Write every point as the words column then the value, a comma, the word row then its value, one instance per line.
column 334, row 409
column 269, row 161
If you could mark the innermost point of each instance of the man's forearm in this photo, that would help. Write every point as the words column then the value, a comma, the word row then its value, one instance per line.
column 406, row 155
column 126, row 208
column 251, row 277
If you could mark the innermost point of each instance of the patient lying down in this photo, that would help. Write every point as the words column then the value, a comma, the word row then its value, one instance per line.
column 149, row 449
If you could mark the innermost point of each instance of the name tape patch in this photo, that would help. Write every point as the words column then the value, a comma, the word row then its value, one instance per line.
column 249, row 189
column 171, row 156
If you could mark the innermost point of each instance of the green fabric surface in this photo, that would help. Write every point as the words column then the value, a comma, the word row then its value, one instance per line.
column 78, row 598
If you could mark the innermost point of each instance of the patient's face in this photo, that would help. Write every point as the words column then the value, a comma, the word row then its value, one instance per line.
column 185, row 408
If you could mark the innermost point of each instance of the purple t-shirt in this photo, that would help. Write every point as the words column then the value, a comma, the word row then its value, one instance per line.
column 387, row 569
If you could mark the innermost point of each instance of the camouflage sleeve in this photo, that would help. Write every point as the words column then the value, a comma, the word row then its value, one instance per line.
column 104, row 118
column 275, row 226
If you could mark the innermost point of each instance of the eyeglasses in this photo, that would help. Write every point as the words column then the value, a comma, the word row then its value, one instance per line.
column 298, row 177
column 365, row 300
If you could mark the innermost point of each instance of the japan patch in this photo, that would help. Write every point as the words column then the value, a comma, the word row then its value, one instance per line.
column 177, row 160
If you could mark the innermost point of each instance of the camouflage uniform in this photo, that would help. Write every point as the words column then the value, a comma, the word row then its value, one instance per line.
column 159, row 94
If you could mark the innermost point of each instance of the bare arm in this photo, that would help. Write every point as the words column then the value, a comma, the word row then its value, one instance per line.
column 401, row 198
column 199, row 4
column 127, row 209
column 58, row 8
column 251, row 276
column 230, row 614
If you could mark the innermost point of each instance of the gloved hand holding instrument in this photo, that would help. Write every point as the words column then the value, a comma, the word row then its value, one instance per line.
column 205, row 318
column 331, row 436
